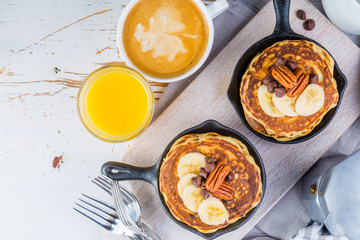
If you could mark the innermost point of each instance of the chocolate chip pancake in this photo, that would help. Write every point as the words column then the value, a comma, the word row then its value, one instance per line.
column 288, row 69
column 205, row 157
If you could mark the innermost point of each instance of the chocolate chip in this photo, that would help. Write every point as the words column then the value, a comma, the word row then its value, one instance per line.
column 292, row 66
column 301, row 14
column 229, row 202
column 314, row 79
column 209, row 167
column 271, row 86
column 280, row 92
column 230, row 177
column 196, row 181
column 280, row 61
column 211, row 160
column 309, row 24
column 205, row 193
column 203, row 173
column 267, row 80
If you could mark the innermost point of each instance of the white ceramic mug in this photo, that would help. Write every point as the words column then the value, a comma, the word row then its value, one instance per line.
column 210, row 11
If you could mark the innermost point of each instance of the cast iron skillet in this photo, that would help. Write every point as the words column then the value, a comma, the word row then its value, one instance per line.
column 120, row 171
column 281, row 32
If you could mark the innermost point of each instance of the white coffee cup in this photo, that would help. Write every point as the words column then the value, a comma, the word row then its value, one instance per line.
column 210, row 12
column 345, row 14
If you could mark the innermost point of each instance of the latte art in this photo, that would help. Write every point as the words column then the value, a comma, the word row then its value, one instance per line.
column 165, row 38
column 163, row 35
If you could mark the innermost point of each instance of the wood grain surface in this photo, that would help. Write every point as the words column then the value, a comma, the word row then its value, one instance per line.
column 67, row 41
column 205, row 98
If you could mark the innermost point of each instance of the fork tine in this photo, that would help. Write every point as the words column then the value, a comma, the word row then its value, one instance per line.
column 126, row 197
column 99, row 201
column 128, row 194
column 100, row 184
column 107, row 227
column 95, row 213
column 106, row 179
column 106, row 185
column 100, row 209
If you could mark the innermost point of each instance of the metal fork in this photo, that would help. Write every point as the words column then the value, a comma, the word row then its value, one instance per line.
column 109, row 220
column 105, row 183
column 121, row 207
column 129, row 199
column 131, row 202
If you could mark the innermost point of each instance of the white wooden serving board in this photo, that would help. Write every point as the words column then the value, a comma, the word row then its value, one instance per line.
column 205, row 98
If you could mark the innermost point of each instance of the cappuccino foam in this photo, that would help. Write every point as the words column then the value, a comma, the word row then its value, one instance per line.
column 165, row 38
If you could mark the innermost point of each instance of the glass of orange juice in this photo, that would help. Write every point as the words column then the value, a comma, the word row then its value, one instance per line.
column 115, row 103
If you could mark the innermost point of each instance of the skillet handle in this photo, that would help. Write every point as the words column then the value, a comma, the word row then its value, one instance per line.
column 120, row 171
column 282, row 8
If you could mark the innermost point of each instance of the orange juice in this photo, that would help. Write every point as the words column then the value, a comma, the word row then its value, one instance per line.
column 115, row 103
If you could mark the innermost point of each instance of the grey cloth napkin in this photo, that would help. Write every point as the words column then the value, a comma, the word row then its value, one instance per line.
column 312, row 232
column 288, row 216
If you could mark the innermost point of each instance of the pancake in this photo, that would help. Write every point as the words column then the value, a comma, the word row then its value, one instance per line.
column 314, row 61
column 227, row 150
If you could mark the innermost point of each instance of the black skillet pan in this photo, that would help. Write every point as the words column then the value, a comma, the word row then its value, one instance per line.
column 120, row 171
column 281, row 32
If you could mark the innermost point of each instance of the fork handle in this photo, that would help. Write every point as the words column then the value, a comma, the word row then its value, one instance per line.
column 120, row 171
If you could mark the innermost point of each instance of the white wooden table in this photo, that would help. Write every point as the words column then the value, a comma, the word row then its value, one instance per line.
column 38, row 115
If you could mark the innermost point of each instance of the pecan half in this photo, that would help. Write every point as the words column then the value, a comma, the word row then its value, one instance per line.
column 302, row 82
column 217, row 177
column 298, row 72
column 226, row 192
column 284, row 76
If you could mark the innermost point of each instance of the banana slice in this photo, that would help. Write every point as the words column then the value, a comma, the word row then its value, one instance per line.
column 310, row 100
column 192, row 198
column 213, row 212
column 285, row 105
column 184, row 182
column 266, row 102
column 191, row 163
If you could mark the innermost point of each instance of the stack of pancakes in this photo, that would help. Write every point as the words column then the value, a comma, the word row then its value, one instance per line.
column 314, row 60
column 227, row 150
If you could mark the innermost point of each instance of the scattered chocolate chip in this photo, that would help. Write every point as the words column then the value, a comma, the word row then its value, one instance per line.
column 271, row 86
column 211, row 160
column 301, row 14
column 196, row 181
column 209, row 167
column 314, row 79
column 280, row 61
column 192, row 216
column 267, row 80
column 230, row 177
column 203, row 173
column 292, row 66
column 280, row 92
column 205, row 193
column 309, row 24
column 229, row 202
